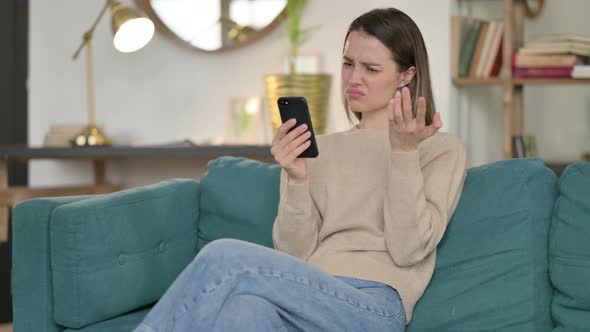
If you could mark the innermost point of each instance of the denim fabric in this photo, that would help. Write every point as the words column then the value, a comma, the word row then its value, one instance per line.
column 233, row 285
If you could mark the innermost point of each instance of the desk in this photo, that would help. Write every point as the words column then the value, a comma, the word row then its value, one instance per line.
column 10, row 196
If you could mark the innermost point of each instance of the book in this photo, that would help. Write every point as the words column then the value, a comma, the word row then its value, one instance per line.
column 557, row 44
column 494, row 62
column 524, row 146
column 497, row 66
column 545, row 60
column 562, row 37
column 518, row 147
column 534, row 47
column 478, row 52
column 581, row 71
column 61, row 135
column 556, row 51
column 487, row 46
column 468, row 47
column 542, row 72
column 459, row 28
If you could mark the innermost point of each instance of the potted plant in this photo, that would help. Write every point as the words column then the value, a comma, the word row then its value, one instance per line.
column 314, row 87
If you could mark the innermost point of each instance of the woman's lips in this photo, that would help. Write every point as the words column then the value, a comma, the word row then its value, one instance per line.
column 354, row 94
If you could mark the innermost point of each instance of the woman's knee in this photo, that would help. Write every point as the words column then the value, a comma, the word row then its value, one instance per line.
column 228, row 250
column 221, row 247
column 221, row 252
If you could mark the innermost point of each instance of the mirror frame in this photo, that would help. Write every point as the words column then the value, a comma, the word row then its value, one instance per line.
column 161, row 27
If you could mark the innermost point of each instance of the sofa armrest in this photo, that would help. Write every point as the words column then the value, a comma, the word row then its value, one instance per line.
column 118, row 252
column 32, row 291
column 104, row 255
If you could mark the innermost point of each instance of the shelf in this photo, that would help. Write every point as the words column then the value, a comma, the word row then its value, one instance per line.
column 518, row 81
column 129, row 152
column 466, row 81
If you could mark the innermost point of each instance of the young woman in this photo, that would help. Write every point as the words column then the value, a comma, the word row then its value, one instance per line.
column 357, row 227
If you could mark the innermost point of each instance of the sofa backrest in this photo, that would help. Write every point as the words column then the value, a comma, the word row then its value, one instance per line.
column 570, row 250
column 492, row 265
column 239, row 199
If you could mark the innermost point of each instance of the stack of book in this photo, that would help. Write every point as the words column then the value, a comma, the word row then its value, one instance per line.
column 61, row 135
column 559, row 56
column 476, row 47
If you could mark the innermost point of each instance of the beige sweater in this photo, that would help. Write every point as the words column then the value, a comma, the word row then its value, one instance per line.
column 368, row 213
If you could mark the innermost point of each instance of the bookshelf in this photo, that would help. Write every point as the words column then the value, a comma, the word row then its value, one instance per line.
column 513, row 103
column 517, row 81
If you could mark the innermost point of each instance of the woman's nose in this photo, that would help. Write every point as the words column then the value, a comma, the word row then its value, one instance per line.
column 355, row 76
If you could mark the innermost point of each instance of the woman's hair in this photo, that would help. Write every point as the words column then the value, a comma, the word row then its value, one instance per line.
column 398, row 32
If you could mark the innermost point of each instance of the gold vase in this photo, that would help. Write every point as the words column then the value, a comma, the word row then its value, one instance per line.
column 314, row 87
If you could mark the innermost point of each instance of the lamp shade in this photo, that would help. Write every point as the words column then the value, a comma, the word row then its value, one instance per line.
column 131, row 30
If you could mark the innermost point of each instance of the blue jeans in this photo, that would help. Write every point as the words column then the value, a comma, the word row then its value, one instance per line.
column 233, row 286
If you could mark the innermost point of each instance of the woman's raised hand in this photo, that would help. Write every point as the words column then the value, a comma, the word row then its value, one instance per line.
column 405, row 130
column 286, row 146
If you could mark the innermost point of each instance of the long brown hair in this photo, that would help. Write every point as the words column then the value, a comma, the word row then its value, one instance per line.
column 398, row 32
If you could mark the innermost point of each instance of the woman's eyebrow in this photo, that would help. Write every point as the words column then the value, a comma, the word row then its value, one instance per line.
column 363, row 63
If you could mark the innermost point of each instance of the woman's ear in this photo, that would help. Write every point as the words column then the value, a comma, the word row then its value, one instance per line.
column 408, row 76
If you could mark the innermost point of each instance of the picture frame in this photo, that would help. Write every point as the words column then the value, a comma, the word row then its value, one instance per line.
column 245, row 121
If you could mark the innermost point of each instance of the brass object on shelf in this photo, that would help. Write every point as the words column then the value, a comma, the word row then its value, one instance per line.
column 131, row 32
column 314, row 87
column 91, row 136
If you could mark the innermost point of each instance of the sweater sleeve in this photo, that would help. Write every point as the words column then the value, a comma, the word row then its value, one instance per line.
column 420, row 200
column 296, row 227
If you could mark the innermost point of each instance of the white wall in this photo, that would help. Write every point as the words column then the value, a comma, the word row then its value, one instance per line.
column 165, row 92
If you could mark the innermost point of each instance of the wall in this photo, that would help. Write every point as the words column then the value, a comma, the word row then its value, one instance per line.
column 166, row 93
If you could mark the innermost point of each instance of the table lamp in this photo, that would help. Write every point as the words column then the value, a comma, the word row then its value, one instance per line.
column 131, row 32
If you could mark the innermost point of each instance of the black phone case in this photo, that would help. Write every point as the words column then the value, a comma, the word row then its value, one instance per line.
column 296, row 107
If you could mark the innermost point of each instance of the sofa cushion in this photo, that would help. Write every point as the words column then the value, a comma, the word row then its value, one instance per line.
column 491, row 270
column 239, row 199
column 570, row 250
column 114, row 253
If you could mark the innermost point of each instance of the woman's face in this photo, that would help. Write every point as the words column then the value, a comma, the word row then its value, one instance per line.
column 369, row 75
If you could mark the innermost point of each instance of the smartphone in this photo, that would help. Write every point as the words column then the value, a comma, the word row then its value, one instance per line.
column 296, row 108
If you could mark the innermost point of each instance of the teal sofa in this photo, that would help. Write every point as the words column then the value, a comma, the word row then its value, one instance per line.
column 515, row 257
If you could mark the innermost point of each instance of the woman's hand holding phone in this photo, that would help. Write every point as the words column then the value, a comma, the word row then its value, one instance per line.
column 287, row 145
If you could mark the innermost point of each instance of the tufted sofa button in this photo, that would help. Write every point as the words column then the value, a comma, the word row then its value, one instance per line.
column 121, row 259
column 162, row 246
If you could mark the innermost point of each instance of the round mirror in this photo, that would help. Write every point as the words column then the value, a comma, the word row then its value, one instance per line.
column 214, row 25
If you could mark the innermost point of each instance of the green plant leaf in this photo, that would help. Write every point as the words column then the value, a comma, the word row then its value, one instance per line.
column 305, row 34
column 295, row 34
